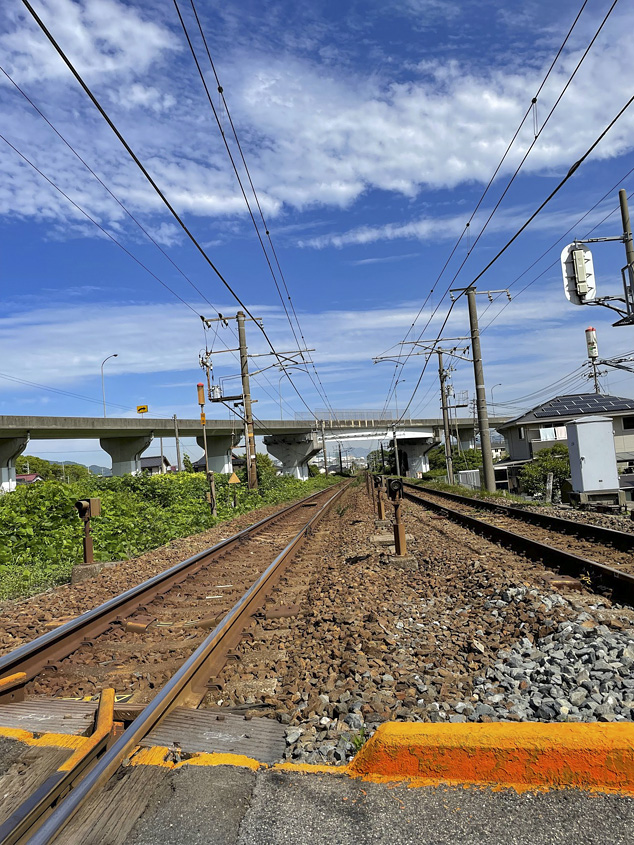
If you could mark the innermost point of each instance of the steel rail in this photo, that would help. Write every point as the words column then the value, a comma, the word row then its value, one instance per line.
column 621, row 583
column 618, row 539
column 189, row 680
column 31, row 658
column 24, row 817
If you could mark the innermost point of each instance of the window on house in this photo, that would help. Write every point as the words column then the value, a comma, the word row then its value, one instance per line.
column 520, row 432
column 628, row 423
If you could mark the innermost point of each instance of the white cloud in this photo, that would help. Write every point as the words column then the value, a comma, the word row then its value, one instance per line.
column 103, row 37
column 314, row 136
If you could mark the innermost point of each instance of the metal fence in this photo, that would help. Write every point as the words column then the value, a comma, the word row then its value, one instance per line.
column 346, row 414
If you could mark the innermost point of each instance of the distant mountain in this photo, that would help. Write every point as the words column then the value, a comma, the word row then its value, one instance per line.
column 97, row 470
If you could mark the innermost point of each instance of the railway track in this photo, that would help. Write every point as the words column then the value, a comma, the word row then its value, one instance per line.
column 163, row 626
column 556, row 542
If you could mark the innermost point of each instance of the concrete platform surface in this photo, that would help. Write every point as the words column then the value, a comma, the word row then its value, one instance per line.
column 232, row 806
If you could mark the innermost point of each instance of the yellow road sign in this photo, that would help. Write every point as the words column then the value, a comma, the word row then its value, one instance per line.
column 141, row 409
column 203, row 418
column 234, row 479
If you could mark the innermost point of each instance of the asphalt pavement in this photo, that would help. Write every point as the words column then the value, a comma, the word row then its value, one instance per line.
column 231, row 806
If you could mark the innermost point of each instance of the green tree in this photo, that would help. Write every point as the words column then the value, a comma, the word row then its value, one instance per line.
column 51, row 471
column 554, row 459
column 436, row 457
column 187, row 463
column 469, row 459
column 375, row 458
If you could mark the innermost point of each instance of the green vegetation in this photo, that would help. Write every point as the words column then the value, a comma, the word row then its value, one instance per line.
column 41, row 533
column 50, row 471
column 533, row 475
column 504, row 495
column 467, row 459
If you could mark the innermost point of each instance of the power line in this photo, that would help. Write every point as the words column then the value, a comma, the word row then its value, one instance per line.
column 104, row 231
column 491, row 180
column 123, row 207
column 552, row 194
column 320, row 389
column 154, row 185
column 556, row 262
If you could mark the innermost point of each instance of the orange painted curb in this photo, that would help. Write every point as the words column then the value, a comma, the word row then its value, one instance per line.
column 521, row 755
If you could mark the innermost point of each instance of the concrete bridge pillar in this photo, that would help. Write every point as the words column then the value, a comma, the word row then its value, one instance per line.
column 126, row 452
column 10, row 449
column 294, row 451
column 219, row 451
column 416, row 452
column 467, row 439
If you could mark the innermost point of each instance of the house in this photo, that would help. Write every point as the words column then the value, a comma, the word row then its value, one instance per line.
column 28, row 478
column 237, row 462
column 155, row 465
column 545, row 425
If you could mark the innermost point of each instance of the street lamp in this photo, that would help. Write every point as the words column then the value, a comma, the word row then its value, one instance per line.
column 103, row 386
column 499, row 384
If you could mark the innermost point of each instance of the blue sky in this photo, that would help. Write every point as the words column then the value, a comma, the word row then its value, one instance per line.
column 370, row 129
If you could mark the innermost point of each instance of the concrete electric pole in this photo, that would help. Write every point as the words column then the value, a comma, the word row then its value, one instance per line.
column 252, row 474
column 323, row 446
column 627, row 240
column 442, row 374
column 179, row 465
column 481, row 399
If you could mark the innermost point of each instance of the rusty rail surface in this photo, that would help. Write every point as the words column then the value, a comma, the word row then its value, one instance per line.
column 59, row 643
column 620, row 583
column 186, row 688
column 609, row 536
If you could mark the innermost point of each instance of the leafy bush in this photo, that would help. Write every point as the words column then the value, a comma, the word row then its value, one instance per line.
column 41, row 533
column 533, row 475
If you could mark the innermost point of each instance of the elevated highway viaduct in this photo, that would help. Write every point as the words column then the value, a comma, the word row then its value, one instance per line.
column 293, row 442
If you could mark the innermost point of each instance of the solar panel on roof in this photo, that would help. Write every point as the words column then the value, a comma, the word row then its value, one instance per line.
column 582, row 404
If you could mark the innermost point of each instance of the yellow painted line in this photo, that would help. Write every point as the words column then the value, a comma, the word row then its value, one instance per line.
column 10, row 681
column 311, row 768
column 520, row 755
column 159, row 756
column 103, row 728
column 46, row 740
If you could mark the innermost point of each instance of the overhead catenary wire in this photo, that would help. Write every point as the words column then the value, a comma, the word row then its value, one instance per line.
column 319, row 387
column 153, row 183
column 553, row 246
column 101, row 228
column 466, row 229
column 126, row 211
column 530, row 219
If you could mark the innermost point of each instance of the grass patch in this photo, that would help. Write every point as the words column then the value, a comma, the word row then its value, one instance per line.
column 41, row 533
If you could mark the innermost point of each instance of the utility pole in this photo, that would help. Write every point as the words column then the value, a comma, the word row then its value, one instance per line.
column 179, row 465
column 340, row 461
column 201, row 401
column 162, row 457
column 323, row 446
column 627, row 238
column 215, row 394
column 398, row 463
column 252, row 474
column 442, row 374
column 382, row 458
column 481, row 399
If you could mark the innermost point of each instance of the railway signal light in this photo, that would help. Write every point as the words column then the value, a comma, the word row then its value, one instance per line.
column 87, row 508
column 395, row 488
column 578, row 274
